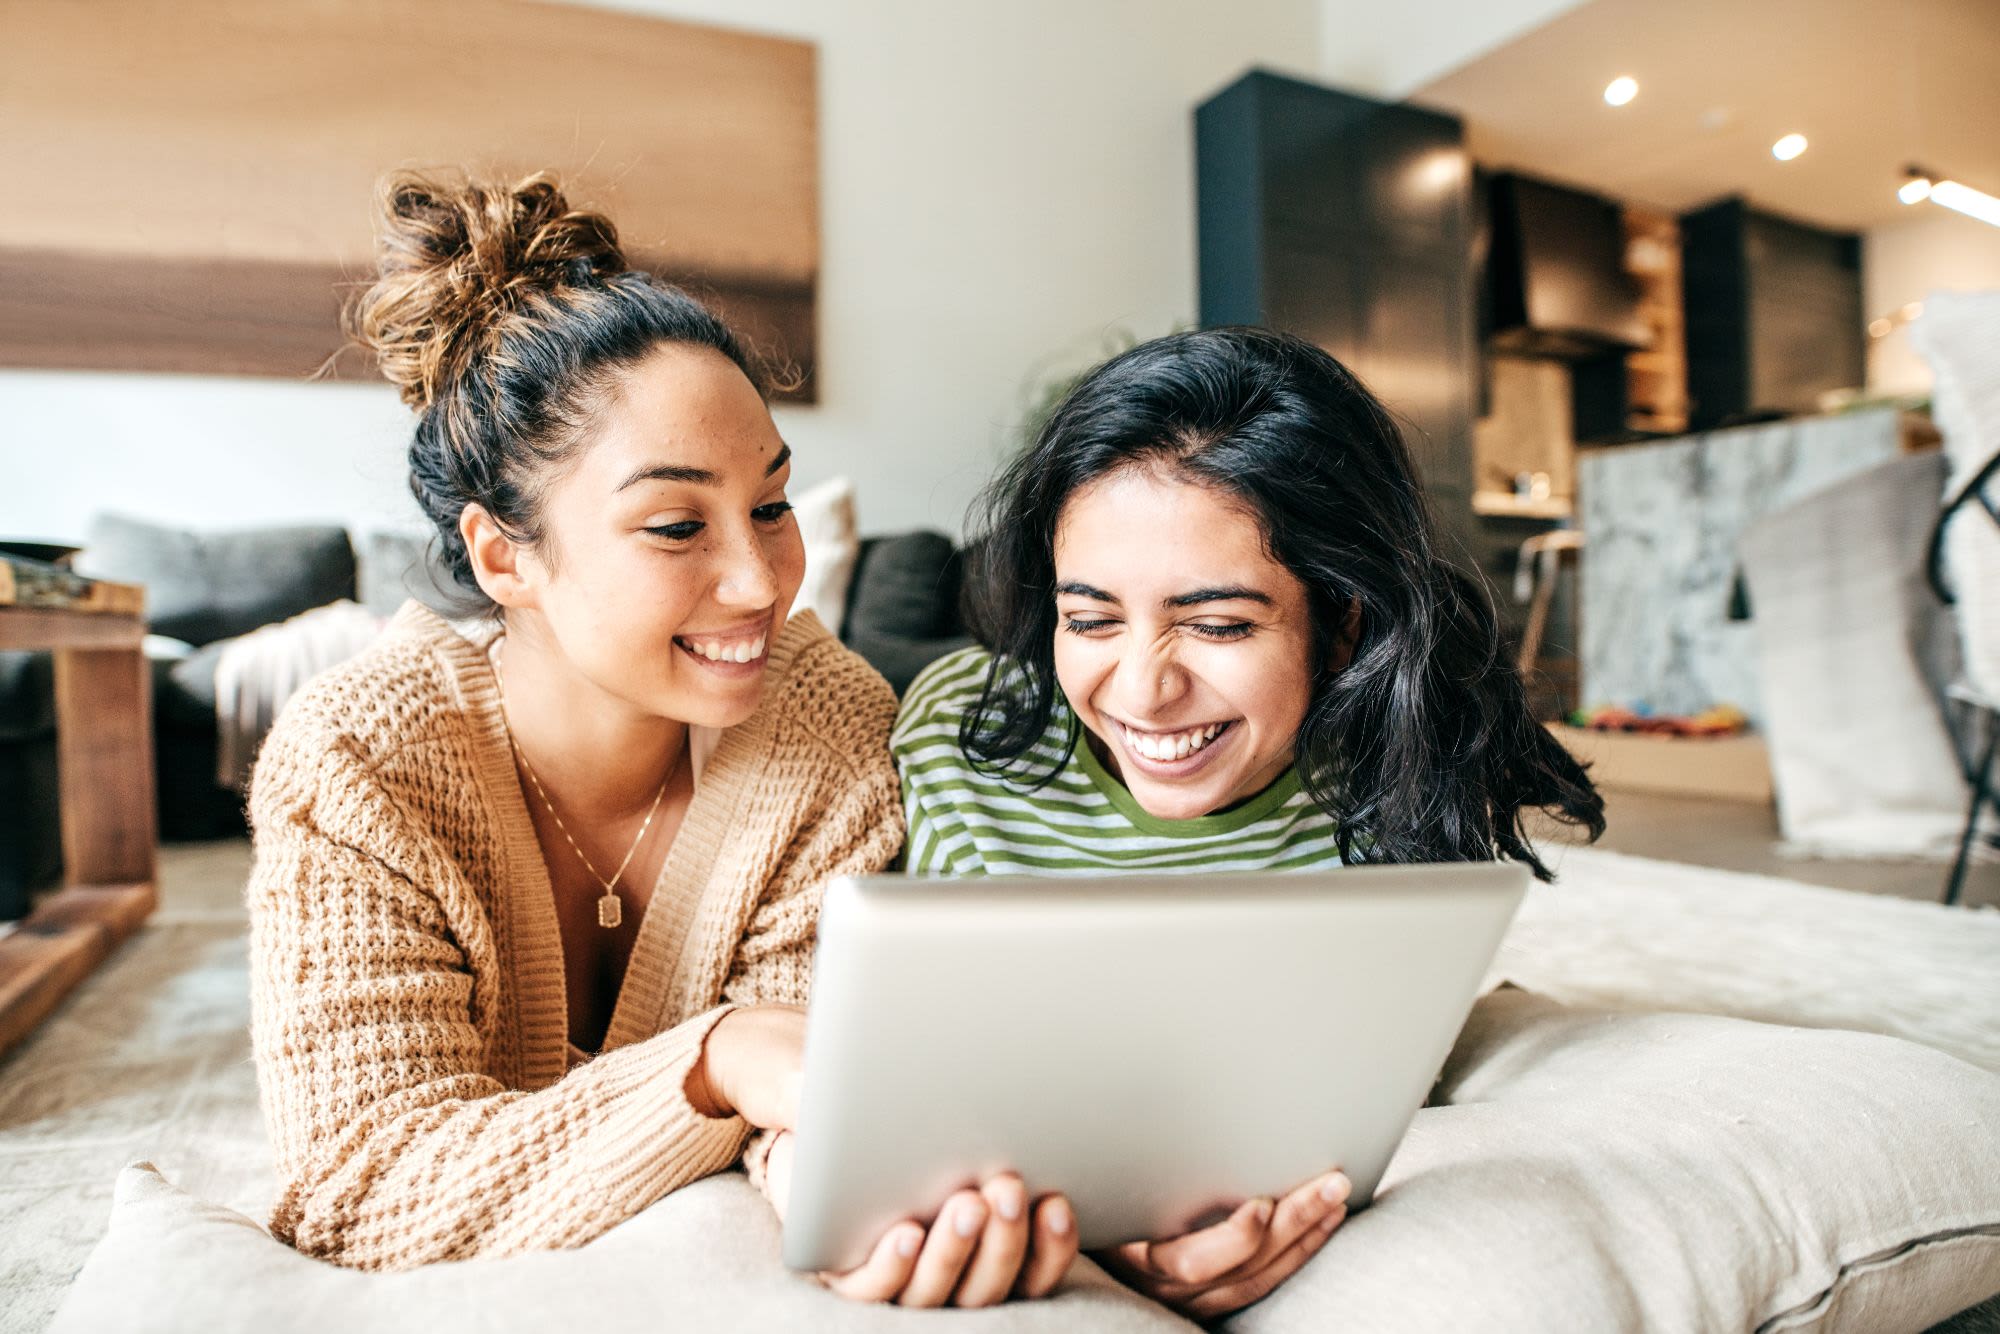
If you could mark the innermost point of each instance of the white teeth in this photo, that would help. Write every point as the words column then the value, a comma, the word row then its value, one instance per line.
column 1173, row 746
column 716, row 651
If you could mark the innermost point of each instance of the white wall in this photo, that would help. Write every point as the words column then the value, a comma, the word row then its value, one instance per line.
column 1935, row 250
column 1391, row 50
column 1001, row 184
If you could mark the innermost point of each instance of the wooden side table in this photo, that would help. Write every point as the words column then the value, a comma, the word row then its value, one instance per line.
column 104, row 757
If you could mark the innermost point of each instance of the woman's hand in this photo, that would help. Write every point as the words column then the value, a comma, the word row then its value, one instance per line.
column 1226, row 1267
column 986, row 1245
column 752, row 1066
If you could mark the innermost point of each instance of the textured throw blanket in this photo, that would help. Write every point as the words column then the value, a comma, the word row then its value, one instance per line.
column 258, row 672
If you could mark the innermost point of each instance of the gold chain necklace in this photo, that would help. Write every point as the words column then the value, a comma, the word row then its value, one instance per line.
column 610, row 908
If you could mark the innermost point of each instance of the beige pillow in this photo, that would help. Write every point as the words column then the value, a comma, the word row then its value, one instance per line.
column 704, row 1258
column 833, row 544
column 1588, row 1170
column 1603, row 1170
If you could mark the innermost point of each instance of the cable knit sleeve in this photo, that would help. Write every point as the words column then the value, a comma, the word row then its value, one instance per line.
column 373, row 991
column 858, row 830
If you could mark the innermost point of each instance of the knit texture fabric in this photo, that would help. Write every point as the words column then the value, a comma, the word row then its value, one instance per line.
column 409, row 1012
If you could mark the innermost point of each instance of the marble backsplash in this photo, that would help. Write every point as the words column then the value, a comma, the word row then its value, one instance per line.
column 1662, row 521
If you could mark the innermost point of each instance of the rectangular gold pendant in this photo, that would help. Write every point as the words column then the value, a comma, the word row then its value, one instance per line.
column 610, row 911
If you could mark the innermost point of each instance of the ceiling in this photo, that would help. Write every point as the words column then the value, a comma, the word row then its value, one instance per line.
column 1872, row 84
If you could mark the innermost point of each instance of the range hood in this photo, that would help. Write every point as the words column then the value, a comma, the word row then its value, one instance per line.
column 1555, row 282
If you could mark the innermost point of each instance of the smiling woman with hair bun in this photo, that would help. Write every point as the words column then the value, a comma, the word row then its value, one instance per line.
column 533, row 905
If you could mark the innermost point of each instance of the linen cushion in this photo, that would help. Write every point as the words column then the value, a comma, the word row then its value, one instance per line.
column 1579, row 1169
column 395, row 565
column 703, row 1258
column 827, row 526
column 1596, row 1170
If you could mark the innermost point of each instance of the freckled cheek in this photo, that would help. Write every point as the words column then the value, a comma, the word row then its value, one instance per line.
column 788, row 567
column 652, row 603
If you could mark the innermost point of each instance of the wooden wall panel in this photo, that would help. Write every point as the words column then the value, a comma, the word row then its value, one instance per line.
column 190, row 183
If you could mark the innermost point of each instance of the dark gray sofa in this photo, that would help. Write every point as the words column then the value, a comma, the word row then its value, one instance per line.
column 207, row 588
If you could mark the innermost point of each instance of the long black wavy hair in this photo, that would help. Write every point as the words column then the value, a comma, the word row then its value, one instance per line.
column 1422, row 746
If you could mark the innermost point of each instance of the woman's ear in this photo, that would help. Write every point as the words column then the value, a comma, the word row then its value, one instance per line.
column 496, row 558
column 1350, row 634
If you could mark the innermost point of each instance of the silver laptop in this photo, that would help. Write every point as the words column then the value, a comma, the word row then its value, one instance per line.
column 1159, row 1047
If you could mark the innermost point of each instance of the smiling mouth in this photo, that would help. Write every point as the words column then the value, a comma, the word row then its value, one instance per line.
column 1171, row 747
column 730, row 651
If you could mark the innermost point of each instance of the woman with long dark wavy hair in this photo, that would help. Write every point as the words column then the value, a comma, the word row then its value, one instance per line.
column 1218, row 634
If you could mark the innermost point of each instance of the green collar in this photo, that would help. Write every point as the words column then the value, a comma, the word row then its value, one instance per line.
column 1242, row 816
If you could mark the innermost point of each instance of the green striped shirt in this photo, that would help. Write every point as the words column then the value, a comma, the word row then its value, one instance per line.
column 1083, row 821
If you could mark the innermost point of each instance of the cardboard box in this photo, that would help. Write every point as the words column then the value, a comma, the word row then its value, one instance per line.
column 1733, row 768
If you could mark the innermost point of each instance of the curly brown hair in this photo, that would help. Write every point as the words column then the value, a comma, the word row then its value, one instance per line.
column 505, row 318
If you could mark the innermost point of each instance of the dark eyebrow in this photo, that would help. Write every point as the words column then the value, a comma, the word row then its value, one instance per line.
column 669, row 472
column 674, row 472
column 1081, row 590
column 1228, row 593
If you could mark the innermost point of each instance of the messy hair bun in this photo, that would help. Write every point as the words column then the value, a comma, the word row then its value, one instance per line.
column 455, row 259
column 502, row 315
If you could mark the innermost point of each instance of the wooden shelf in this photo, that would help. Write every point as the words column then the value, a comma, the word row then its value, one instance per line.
column 1506, row 505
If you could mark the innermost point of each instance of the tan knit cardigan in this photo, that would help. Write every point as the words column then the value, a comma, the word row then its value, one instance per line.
column 409, row 1011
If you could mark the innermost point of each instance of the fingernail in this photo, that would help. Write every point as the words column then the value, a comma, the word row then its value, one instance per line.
column 1262, row 1213
column 1334, row 1189
column 1059, row 1219
column 906, row 1242
column 1008, row 1206
column 967, row 1218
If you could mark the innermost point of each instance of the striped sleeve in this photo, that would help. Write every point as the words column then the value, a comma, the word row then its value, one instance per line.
column 925, row 744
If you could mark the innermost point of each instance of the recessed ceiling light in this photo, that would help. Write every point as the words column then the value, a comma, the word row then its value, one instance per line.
column 1621, row 90
column 1789, row 147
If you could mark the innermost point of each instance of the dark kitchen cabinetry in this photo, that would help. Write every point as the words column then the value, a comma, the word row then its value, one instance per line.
column 1773, row 313
column 1347, row 221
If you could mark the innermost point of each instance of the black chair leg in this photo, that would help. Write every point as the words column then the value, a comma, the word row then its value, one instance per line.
column 1979, row 794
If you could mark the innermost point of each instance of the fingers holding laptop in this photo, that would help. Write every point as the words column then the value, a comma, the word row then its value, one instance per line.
column 1225, row 1267
column 1025, row 1249
column 985, row 1246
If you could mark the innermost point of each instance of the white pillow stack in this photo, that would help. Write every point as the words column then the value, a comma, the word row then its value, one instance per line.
column 833, row 544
